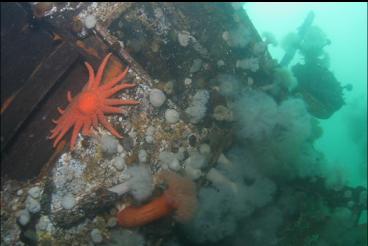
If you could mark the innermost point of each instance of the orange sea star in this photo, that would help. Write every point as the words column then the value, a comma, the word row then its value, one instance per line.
column 88, row 107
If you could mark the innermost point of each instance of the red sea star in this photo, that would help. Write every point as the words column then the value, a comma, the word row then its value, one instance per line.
column 89, row 106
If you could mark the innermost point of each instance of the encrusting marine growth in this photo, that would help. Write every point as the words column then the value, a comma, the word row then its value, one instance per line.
column 89, row 106
column 179, row 198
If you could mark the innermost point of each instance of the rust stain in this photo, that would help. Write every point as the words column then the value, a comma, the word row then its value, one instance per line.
column 56, row 37
column 7, row 102
column 89, row 50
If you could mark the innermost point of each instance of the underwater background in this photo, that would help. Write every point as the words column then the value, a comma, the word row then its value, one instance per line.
column 344, row 139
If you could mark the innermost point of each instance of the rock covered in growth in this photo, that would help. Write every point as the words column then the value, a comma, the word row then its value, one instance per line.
column 120, row 148
column 196, row 160
column 33, row 205
column 157, row 97
column 44, row 224
column 96, row 236
column 169, row 87
column 140, row 183
column 112, row 222
column 184, row 38
column 109, row 144
column 222, row 113
column 196, row 66
column 229, row 85
column 187, row 81
column 34, row 192
column 205, row 149
column 169, row 160
column 88, row 205
column 237, row 37
column 256, row 115
column 251, row 64
column 119, row 163
column 171, row 116
column 175, row 165
column 24, row 217
column 90, row 21
column 193, row 173
column 19, row 192
column 142, row 156
column 198, row 106
column 150, row 131
column 68, row 201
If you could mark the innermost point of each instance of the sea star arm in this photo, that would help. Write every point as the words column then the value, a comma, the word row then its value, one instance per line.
column 117, row 88
column 61, row 111
column 91, row 74
column 69, row 96
column 106, row 124
column 100, row 71
column 77, row 127
column 64, row 130
column 112, row 102
column 87, row 127
column 56, row 130
column 109, row 109
column 115, row 80
column 61, row 122
column 95, row 121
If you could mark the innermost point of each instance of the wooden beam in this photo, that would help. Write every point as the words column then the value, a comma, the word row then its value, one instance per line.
column 30, row 150
column 43, row 78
